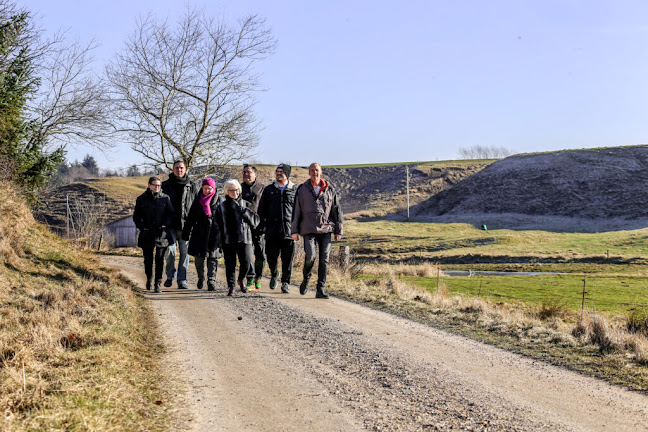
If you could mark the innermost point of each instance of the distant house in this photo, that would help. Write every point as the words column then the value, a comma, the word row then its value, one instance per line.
column 124, row 231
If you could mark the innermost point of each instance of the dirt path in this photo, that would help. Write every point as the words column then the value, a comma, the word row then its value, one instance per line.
column 280, row 362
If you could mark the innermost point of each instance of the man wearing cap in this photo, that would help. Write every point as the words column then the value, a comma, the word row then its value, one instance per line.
column 317, row 215
column 251, row 190
column 275, row 214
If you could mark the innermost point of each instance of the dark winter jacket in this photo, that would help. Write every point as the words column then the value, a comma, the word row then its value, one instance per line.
column 201, row 230
column 252, row 194
column 276, row 210
column 239, row 211
column 182, row 192
column 152, row 211
column 316, row 214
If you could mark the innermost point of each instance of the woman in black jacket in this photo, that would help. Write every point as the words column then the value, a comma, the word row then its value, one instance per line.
column 202, row 233
column 236, row 219
column 153, row 217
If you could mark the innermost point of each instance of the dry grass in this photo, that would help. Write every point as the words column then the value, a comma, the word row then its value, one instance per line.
column 76, row 348
column 597, row 344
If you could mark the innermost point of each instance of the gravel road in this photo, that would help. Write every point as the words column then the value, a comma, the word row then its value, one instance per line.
column 267, row 361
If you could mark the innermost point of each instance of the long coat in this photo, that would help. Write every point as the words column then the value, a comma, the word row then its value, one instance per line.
column 152, row 212
column 201, row 230
column 276, row 210
column 246, row 220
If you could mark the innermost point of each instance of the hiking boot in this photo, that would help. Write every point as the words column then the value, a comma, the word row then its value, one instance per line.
column 183, row 285
column 200, row 284
column 321, row 293
column 257, row 284
column 230, row 293
column 149, row 283
column 273, row 282
column 158, row 282
column 303, row 287
column 285, row 288
column 168, row 283
column 242, row 286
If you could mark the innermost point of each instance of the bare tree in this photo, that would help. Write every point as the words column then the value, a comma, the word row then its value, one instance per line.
column 69, row 107
column 87, row 216
column 186, row 91
column 484, row 152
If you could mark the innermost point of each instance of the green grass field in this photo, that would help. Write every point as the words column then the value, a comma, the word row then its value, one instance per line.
column 613, row 264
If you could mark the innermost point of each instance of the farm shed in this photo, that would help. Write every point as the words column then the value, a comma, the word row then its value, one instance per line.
column 124, row 231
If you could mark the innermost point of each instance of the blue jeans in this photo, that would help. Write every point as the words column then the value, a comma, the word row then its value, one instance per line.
column 323, row 242
column 183, row 262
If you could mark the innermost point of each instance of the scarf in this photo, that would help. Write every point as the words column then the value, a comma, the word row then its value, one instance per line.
column 205, row 202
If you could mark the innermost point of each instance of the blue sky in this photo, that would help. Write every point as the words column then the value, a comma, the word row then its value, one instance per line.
column 384, row 81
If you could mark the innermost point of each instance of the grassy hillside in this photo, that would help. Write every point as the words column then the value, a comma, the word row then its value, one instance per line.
column 77, row 351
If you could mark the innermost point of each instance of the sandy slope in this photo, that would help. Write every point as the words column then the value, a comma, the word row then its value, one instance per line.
column 271, row 361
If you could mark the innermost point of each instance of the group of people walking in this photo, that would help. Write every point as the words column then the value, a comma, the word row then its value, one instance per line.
column 249, row 223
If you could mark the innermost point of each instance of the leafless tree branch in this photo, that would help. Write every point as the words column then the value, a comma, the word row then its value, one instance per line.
column 187, row 91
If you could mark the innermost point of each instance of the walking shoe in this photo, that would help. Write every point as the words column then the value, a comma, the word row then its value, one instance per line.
column 285, row 288
column 250, row 285
column 168, row 283
column 211, row 286
column 230, row 293
column 321, row 293
column 200, row 284
column 257, row 284
column 183, row 285
column 303, row 287
column 242, row 286
column 158, row 282
column 273, row 282
column 149, row 283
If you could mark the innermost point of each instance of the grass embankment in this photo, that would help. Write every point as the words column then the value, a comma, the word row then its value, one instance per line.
column 539, row 316
column 77, row 348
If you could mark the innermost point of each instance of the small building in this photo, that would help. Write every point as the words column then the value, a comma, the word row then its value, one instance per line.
column 124, row 231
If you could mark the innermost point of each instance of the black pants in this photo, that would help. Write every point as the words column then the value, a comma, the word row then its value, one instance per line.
column 323, row 242
column 148, row 261
column 285, row 247
column 245, row 257
column 259, row 256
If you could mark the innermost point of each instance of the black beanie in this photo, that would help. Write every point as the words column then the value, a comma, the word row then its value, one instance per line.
column 286, row 168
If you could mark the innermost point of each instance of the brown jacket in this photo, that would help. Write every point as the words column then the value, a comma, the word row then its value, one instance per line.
column 316, row 214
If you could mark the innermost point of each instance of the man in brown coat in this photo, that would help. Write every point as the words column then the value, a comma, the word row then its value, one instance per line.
column 317, row 215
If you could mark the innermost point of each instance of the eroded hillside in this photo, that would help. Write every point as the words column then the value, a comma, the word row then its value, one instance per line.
column 593, row 183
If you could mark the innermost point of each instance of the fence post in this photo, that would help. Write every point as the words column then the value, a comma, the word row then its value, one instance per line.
column 100, row 241
column 583, row 301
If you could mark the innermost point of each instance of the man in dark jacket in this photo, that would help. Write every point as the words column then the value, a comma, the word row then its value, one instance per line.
column 182, row 192
column 153, row 217
column 275, row 214
column 251, row 190
column 316, row 216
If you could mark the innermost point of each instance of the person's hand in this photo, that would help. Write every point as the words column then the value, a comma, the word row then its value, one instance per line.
column 295, row 236
column 337, row 237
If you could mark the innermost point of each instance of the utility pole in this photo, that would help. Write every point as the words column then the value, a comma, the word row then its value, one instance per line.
column 407, row 174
